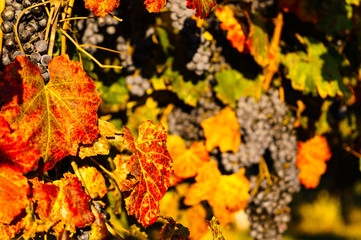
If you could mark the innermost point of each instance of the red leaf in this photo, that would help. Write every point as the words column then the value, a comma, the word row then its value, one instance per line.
column 151, row 165
column 53, row 118
column 154, row 5
column 14, row 191
column 72, row 205
column 202, row 7
column 101, row 7
column 44, row 195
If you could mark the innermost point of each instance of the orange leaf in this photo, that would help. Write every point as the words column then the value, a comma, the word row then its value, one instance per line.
column 15, row 150
column 101, row 7
column 44, row 195
column 72, row 205
column 154, row 5
column 222, row 130
column 226, row 194
column 311, row 158
column 151, row 165
column 186, row 161
column 57, row 116
column 229, row 23
column 14, row 191
column 202, row 7
column 196, row 217
column 94, row 181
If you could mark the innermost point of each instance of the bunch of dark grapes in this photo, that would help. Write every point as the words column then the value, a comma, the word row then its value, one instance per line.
column 31, row 24
column 190, row 37
column 179, row 13
column 95, row 28
column 126, row 51
column 138, row 84
column 187, row 124
column 207, row 59
column 267, row 132
column 260, row 5
column 201, row 59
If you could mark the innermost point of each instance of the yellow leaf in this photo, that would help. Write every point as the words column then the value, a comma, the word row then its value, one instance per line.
column 186, row 161
column 222, row 130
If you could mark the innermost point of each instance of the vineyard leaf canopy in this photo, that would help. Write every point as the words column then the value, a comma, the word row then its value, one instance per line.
column 222, row 130
column 151, row 165
column 57, row 116
column 101, row 7
column 186, row 161
column 226, row 194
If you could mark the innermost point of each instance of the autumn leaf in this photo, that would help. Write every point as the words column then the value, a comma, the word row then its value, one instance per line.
column 15, row 150
column 101, row 145
column 44, row 195
column 154, row 5
column 226, row 194
column 72, row 205
column 14, row 192
column 56, row 117
column 311, row 158
column 94, row 181
column 234, row 30
column 196, row 218
column 222, row 130
column 202, row 7
column 151, row 166
column 186, row 162
column 101, row 7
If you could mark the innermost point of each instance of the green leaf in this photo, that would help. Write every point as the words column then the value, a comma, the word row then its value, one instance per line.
column 216, row 229
column 187, row 91
column 164, row 40
column 115, row 97
column 336, row 18
column 231, row 85
column 322, row 125
column 316, row 71
column 260, row 41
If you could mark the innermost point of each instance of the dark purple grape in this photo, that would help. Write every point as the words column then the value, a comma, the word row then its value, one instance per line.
column 8, row 14
column 7, row 26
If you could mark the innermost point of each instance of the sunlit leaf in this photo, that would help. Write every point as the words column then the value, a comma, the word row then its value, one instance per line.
column 154, row 5
column 231, row 85
column 222, row 130
column 151, row 166
column 311, row 159
column 14, row 191
column 72, row 205
column 56, row 117
column 202, row 7
column 186, row 161
column 316, row 71
column 101, row 7
column 226, row 194
column 94, row 181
